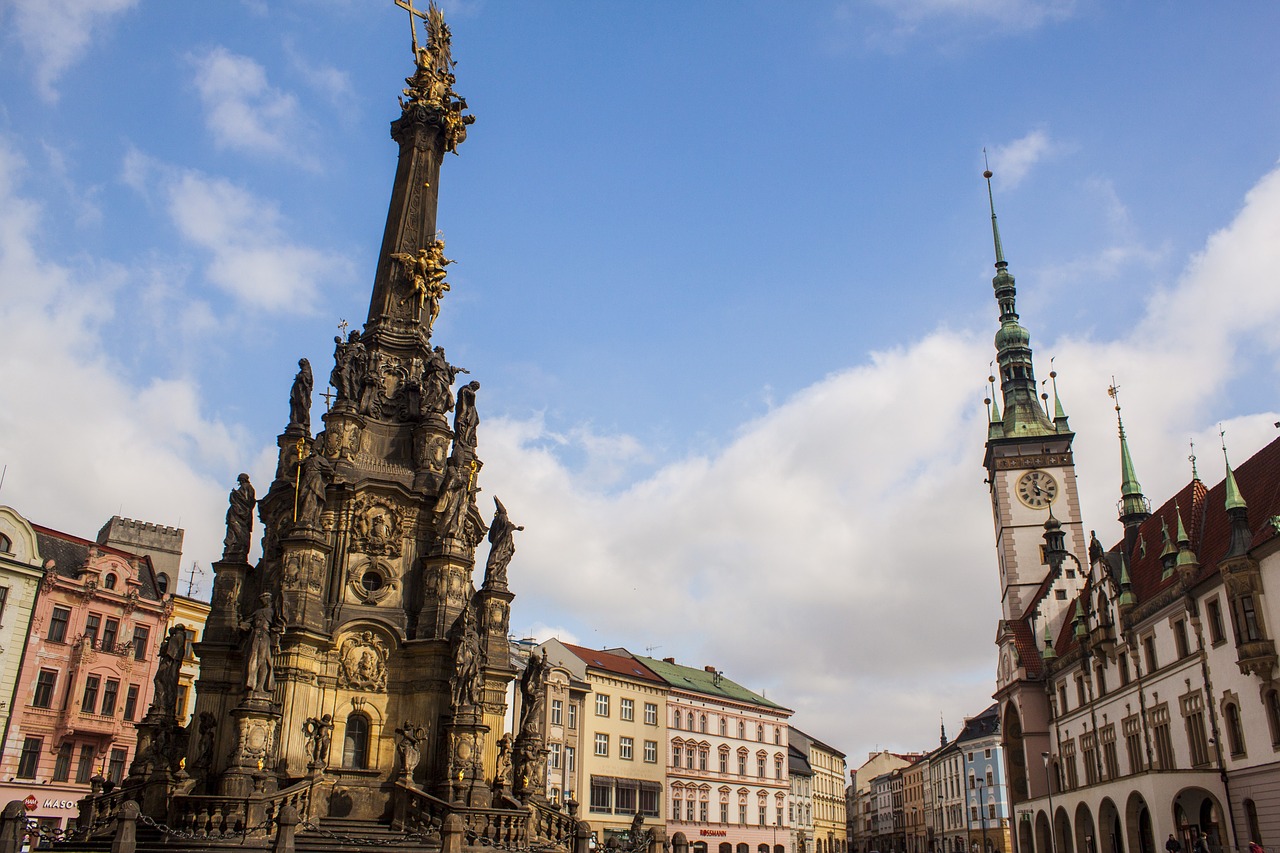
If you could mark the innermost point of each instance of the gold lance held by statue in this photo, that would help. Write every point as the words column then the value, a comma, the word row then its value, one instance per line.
column 297, row 478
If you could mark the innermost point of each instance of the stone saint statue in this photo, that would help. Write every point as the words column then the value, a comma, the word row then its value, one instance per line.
column 502, row 546
column 311, row 489
column 533, row 693
column 300, row 397
column 454, row 500
column 468, row 662
column 438, row 376
column 164, row 701
column 502, row 771
column 264, row 638
column 235, row 548
column 465, row 417
column 208, row 727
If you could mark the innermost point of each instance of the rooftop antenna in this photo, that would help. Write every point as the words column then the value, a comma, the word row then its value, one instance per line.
column 191, row 577
column 649, row 650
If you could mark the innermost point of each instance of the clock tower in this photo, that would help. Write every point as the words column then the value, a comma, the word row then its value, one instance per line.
column 1030, row 471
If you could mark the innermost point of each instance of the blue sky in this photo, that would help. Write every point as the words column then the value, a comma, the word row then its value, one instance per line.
column 723, row 272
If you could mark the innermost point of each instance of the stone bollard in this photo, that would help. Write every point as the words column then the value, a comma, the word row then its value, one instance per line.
column 582, row 837
column 13, row 826
column 126, row 839
column 451, row 834
column 286, row 826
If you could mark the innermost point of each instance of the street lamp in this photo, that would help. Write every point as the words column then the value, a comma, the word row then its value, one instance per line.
column 982, row 810
column 1048, row 783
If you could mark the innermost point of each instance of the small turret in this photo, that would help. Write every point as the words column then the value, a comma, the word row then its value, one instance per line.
column 1186, row 563
column 1049, row 654
column 1133, row 508
column 1237, row 512
column 1127, row 599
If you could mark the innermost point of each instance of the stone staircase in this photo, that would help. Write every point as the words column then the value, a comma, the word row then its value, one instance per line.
column 352, row 834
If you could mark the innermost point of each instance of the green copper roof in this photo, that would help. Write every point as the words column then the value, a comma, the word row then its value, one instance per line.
column 1186, row 557
column 701, row 681
column 1131, row 501
column 1023, row 414
column 1169, row 547
column 1127, row 598
column 1049, row 653
column 1234, row 499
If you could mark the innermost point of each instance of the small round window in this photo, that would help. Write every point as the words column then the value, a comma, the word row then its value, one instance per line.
column 372, row 581
column 109, row 582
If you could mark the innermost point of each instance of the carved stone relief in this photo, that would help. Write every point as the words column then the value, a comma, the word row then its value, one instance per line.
column 376, row 527
column 305, row 568
column 362, row 663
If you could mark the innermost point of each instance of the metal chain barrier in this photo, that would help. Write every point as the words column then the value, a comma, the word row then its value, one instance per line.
column 178, row 833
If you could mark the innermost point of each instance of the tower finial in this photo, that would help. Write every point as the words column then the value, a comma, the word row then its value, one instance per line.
column 1195, row 475
column 995, row 228
column 1023, row 414
column 1234, row 499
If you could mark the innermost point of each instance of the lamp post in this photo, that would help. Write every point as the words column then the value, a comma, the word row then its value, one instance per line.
column 982, row 810
column 1048, row 783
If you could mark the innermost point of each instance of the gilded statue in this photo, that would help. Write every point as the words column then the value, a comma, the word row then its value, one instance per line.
column 426, row 277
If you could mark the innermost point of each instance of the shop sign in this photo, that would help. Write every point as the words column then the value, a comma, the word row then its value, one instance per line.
column 60, row 804
column 31, row 803
column 716, row 832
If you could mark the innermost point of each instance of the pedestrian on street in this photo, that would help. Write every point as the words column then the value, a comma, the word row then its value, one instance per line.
column 1173, row 845
column 1255, row 847
column 1199, row 845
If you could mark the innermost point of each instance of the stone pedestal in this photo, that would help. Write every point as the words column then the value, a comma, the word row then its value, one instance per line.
column 305, row 565
column 256, row 725
column 465, row 737
column 430, row 452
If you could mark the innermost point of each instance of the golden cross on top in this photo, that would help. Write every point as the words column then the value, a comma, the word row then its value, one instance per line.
column 407, row 5
column 1114, row 392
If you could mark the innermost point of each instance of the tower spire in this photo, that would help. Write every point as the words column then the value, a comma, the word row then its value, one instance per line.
column 410, row 278
column 1023, row 414
column 1134, row 508
column 1234, row 499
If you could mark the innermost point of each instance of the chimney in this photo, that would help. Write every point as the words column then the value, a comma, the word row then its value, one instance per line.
column 669, row 660
column 709, row 668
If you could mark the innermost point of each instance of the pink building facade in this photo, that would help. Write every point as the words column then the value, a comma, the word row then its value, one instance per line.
column 85, row 676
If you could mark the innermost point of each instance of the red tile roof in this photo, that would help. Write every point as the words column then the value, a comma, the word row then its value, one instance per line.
column 1204, row 516
column 618, row 664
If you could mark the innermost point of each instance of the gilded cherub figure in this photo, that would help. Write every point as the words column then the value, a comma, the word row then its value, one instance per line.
column 426, row 277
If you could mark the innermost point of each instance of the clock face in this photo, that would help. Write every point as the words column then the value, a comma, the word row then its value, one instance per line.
column 1037, row 489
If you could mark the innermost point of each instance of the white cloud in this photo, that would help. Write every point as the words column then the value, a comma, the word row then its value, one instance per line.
column 888, row 25
column 82, row 442
column 244, row 112
column 251, row 256
column 1006, row 14
column 838, row 552
column 55, row 34
column 1013, row 161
